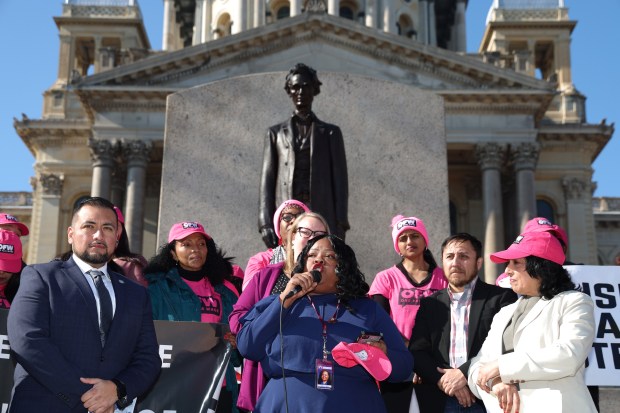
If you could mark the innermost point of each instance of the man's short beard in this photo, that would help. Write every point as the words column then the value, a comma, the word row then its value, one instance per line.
column 93, row 258
column 461, row 284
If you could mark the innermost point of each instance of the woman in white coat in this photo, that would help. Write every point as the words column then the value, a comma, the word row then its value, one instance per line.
column 534, row 355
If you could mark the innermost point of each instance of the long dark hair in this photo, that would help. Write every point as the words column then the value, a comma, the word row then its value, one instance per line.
column 122, row 248
column 554, row 278
column 217, row 267
column 429, row 259
column 351, row 281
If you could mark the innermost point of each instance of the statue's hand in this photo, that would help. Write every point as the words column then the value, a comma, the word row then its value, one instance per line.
column 269, row 237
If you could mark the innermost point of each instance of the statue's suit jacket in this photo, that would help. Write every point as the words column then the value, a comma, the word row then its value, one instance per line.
column 54, row 333
column 430, row 339
column 329, row 187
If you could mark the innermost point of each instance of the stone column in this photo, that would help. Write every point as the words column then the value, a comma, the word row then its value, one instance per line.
column 136, row 153
column 582, row 246
column 49, row 233
column 389, row 19
column 524, row 159
column 199, row 24
column 259, row 13
column 333, row 7
column 119, row 182
column 66, row 60
column 169, row 34
column 240, row 19
column 207, row 24
column 562, row 62
column 295, row 8
column 97, row 57
column 460, row 27
column 102, row 155
column 371, row 13
column 490, row 159
column 431, row 24
column 423, row 22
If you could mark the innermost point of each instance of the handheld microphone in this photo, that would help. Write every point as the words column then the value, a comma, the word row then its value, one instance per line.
column 316, row 277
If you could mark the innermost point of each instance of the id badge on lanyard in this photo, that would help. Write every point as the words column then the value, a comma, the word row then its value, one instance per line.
column 324, row 368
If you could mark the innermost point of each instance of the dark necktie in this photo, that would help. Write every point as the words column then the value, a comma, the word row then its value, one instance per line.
column 105, row 304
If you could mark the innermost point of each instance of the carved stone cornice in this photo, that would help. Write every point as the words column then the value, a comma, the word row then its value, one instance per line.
column 52, row 184
column 525, row 155
column 41, row 134
column 584, row 135
column 490, row 155
column 315, row 6
column 576, row 188
column 102, row 152
column 136, row 152
column 497, row 101
column 445, row 66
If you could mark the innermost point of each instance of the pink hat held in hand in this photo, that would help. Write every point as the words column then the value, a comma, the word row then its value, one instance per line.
column 401, row 224
column 371, row 358
column 539, row 244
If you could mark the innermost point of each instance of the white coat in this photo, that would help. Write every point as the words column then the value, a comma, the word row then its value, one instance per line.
column 551, row 346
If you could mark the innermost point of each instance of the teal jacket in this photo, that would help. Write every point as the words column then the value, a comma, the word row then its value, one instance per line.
column 173, row 300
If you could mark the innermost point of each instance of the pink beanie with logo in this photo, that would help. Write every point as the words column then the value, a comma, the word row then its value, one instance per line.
column 276, row 216
column 401, row 224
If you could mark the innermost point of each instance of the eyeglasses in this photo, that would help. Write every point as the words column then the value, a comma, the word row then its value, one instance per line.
column 308, row 233
column 289, row 217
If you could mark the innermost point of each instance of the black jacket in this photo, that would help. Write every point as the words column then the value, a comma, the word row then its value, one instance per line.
column 430, row 340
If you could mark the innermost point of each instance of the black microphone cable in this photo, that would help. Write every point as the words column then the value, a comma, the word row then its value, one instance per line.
column 316, row 276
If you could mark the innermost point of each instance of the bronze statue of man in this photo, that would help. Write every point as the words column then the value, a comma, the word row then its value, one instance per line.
column 304, row 159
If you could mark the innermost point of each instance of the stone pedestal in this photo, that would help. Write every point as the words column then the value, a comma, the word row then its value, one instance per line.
column 396, row 154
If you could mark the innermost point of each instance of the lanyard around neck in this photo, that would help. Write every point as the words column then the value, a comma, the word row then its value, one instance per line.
column 332, row 320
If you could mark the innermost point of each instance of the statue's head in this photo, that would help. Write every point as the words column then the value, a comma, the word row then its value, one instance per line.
column 303, row 71
column 302, row 85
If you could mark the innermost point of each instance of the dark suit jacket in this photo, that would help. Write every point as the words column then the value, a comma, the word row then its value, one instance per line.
column 430, row 340
column 329, row 187
column 54, row 333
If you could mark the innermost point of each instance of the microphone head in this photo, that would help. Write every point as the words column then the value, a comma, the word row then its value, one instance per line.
column 316, row 275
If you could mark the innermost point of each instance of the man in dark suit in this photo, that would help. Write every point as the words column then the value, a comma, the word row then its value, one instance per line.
column 83, row 336
column 451, row 326
column 304, row 159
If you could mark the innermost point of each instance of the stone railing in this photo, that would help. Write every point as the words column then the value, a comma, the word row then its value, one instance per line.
column 15, row 199
column 102, row 8
column 528, row 4
column 604, row 204
column 121, row 3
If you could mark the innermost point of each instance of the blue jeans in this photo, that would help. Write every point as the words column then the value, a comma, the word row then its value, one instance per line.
column 453, row 406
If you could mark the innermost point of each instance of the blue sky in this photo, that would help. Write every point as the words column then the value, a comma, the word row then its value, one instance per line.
column 30, row 61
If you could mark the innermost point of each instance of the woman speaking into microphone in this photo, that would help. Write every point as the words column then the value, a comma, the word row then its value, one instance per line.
column 314, row 320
